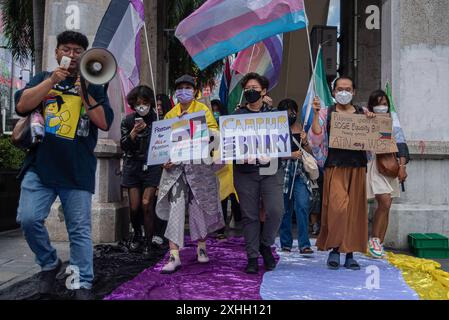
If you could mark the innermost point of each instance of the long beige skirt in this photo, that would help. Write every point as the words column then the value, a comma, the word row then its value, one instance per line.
column 344, row 215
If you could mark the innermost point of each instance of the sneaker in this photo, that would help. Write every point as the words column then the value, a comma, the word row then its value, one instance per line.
column 221, row 237
column 202, row 255
column 84, row 294
column 286, row 249
column 252, row 267
column 268, row 259
column 47, row 279
column 316, row 229
column 157, row 240
column 375, row 248
column 172, row 266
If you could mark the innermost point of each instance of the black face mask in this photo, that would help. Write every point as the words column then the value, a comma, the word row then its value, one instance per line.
column 292, row 119
column 252, row 96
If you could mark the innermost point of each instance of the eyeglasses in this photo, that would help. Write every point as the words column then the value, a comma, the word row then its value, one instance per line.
column 68, row 50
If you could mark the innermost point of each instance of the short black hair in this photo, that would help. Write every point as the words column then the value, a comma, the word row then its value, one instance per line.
column 374, row 99
column 142, row 92
column 263, row 81
column 74, row 37
column 288, row 104
column 218, row 103
column 334, row 85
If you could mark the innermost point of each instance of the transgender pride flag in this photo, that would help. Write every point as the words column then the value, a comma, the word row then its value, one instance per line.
column 222, row 27
column 264, row 58
column 119, row 32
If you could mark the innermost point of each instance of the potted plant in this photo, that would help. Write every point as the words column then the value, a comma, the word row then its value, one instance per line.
column 11, row 159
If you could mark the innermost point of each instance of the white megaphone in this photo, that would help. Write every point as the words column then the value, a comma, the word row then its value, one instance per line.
column 98, row 66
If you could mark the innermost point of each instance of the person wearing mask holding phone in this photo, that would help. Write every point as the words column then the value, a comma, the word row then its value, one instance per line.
column 344, row 221
column 189, row 188
column 380, row 187
column 140, row 180
column 253, row 186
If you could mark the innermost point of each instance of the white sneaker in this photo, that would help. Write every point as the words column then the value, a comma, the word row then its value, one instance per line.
column 375, row 248
column 173, row 265
column 157, row 240
column 202, row 255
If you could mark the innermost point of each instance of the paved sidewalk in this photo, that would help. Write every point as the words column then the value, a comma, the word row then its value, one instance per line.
column 17, row 260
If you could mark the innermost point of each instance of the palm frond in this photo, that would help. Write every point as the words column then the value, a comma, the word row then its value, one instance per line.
column 17, row 16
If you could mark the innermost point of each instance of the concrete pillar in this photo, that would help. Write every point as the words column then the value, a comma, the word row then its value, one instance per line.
column 415, row 58
column 109, row 211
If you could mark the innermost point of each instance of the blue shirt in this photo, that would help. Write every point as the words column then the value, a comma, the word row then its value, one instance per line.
column 63, row 159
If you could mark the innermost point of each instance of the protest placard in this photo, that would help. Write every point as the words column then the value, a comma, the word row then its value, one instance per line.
column 358, row 132
column 255, row 136
column 178, row 140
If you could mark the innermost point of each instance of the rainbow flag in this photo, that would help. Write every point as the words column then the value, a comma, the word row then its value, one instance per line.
column 264, row 57
column 220, row 28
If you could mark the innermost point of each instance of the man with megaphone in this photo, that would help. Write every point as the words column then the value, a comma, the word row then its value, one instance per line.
column 63, row 164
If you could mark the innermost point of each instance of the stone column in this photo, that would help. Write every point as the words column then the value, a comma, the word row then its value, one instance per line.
column 109, row 210
column 415, row 58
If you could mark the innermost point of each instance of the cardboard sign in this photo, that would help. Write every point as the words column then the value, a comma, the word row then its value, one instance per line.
column 255, row 136
column 357, row 132
column 179, row 140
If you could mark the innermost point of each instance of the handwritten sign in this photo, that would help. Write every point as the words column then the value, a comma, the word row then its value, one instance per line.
column 357, row 132
column 179, row 139
column 255, row 136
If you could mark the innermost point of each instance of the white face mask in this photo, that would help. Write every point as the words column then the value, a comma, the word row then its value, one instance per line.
column 380, row 109
column 343, row 97
column 142, row 110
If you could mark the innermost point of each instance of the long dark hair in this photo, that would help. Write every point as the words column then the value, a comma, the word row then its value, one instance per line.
column 166, row 103
column 375, row 98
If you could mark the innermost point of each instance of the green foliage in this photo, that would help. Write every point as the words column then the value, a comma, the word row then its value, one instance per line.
column 17, row 16
column 179, row 59
column 10, row 156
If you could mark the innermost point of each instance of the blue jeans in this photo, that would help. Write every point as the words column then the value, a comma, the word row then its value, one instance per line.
column 300, row 201
column 34, row 207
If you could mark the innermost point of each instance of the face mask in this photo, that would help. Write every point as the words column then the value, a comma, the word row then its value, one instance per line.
column 343, row 97
column 184, row 96
column 252, row 96
column 142, row 110
column 380, row 109
column 216, row 115
column 292, row 119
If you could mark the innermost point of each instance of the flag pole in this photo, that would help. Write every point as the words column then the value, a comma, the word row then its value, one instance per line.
column 312, row 64
column 247, row 71
column 151, row 67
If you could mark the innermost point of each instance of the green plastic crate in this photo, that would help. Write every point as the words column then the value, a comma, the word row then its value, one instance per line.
column 427, row 241
column 432, row 253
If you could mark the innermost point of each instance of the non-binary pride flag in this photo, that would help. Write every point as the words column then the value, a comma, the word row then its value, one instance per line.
column 119, row 32
column 222, row 27
column 264, row 57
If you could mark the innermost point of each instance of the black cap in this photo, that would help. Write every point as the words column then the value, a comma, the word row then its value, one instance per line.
column 185, row 79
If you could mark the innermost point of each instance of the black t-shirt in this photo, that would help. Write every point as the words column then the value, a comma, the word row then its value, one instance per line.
column 64, row 159
column 345, row 158
column 251, row 168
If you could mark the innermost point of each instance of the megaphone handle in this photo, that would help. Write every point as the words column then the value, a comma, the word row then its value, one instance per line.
column 86, row 95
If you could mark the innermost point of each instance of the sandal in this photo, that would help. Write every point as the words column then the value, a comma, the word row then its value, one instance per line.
column 306, row 251
column 333, row 262
column 352, row 264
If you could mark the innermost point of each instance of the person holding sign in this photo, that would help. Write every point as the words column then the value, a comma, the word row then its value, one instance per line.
column 252, row 186
column 140, row 180
column 344, row 226
column 384, row 186
column 189, row 188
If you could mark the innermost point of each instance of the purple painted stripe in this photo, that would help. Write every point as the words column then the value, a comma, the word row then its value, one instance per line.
column 227, row 30
column 139, row 7
column 223, row 278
